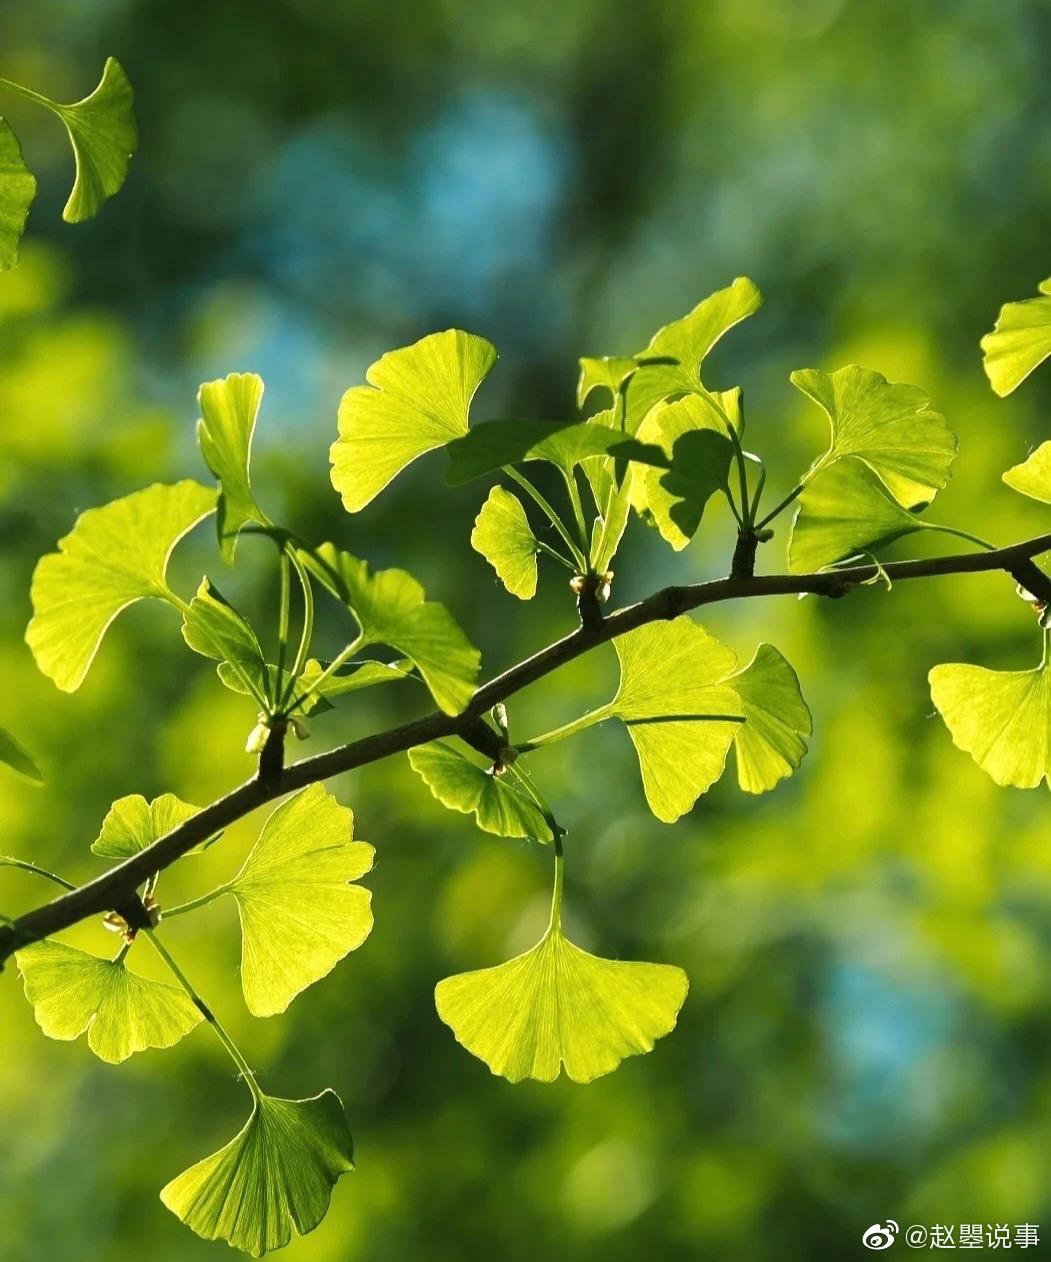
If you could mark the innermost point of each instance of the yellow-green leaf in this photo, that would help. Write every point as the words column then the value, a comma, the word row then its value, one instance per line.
column 113, row 557
column 212, row 627
column 1033, row 476
column 502, row 535
column 274, row 1178
column 72, row 991
column 132, row 824
column 417, row 399
column 463, row 784
column 15, row 756
column 17, row 190
column 607, row 371
column 1019, row 342
column 229, row 409
column 771, row 742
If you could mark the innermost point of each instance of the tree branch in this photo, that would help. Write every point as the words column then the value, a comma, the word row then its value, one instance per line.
column 118, row 886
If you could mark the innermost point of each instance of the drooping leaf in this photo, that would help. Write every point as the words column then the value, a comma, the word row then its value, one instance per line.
column 13, row 755
column 558, row 1005
column 390, row 608
column 300, row 914
column 17, row 190
column 417, row 399
column 463, row 784
column 680, row 710
column 843, row 510
column 692, row 435
column 351, row 677
column 132, row 824
column 771, row 742
column 1033, row 476
column 607, row 371
column 229, row 409
column 72, row 991
column 213, row 627
column 274, row 1178
column 502, row 535
column 888, row 426
column 1002, row 718
column 1020, row 341
column 114, row 556
column 613, row 500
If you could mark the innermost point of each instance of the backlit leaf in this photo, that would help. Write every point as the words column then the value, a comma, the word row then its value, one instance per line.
column 463, row 784
column 502, row 535
column 213, row 627
column 417, row 399
column 1002, row 718
column 608, row 371
column 1033, row 476
column 17, row 190
column 229, row 408
column 352, row 677
column 132, row 824
column 113, row 557
column 72, row 991
column 771, row 742
column 13, row 755
column 890, row 427
column 1019, row 342
column 274, row 1178
column 558, row 1005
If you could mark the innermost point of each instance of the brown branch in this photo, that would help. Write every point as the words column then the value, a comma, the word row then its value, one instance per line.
column 118, row 886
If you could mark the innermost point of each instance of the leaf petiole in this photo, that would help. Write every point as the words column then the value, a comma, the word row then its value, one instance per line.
column 194, row 903
column 556, row 521
column 26, row 866
column 568, row 729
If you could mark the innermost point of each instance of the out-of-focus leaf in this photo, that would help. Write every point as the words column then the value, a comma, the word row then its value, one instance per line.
column 229, row 409
column 114, row 556
column 17, row 190
column 132, row 824
column 771, row 742
column 274, row 1178
column 213, row 627
column 1020, row 341
column 72, row 991
column 417, row 399
column 502, row 535
column 1033, row 476
column 496, row 801
column 13, row 755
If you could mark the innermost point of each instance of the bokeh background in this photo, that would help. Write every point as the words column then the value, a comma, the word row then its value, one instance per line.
column 867, row 1031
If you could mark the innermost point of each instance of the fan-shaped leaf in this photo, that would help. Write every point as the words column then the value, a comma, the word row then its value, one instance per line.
column 496, row 801
column 72, row 991
column 556, row 1006
column 1019, row 342
column 213, row 627
column 229, row 409
column 18, row 759
column 275, row 1177
column 132, row 824
column 771, row 742
column 113, row 557
column 608, row 371
column 417, row 399
column 502, row 535
column 1033, row 476
column 17, row 190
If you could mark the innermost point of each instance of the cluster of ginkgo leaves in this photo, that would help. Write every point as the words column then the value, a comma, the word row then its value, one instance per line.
column 662, row 449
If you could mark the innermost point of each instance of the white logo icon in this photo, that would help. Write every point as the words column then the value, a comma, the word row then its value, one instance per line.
column 880, row 1235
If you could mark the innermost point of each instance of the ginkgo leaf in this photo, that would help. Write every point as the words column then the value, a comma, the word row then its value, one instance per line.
column 212, row 627
column 1002, row 718
column 694, row 438
column 274, row 1178
column 417, row 399
column 300, row 914
column 17, row 190
column 229, row 408
column 390, row 608
column 13, row 755
column 607, row 371
column 888, row 426
column 72, row 991
column 132, row 824
column 557, row 1006
column 114, row 556
column 771, row 742
column 352, row 677
column 844, row 509
column 496, row 801
column 1033, row 476
column 502, row 535
column 1020, row 341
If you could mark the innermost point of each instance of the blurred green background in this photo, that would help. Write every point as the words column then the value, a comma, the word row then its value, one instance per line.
column 867, row 1029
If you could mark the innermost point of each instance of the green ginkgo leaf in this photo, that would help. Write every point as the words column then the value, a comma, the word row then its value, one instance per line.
column 558, row 1005
column 390, row 608
column 229, row 409
column 417, row 399
column 1033, row 476
column 114, row 556
column 845, row 509
column 300, row 914
column 132, row 824
column 502, row 535
column 693, row 436
column 888, row 426
column 1002, row 718
column 15, row 756
column 274, row 1178
column 771, row 742
column 212, row 627
column 17, row 190
column 1020, row 341
column 72, row 991
column 463, row 783
column 351, row 677
column 607, row 371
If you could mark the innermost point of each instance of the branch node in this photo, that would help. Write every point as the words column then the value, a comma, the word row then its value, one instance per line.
column 272, row 755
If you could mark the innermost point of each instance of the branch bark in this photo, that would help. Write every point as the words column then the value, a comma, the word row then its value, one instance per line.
column 118, row 887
